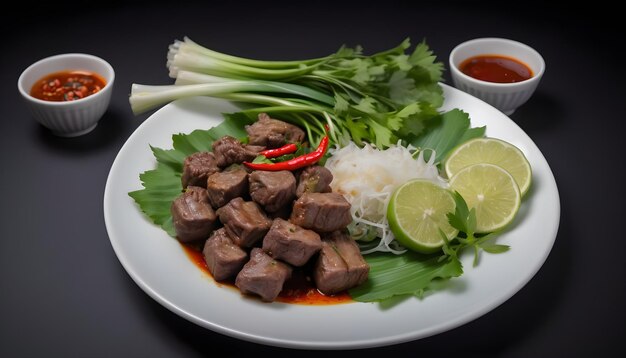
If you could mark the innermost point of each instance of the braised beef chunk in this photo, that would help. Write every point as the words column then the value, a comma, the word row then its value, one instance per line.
column 192, row 215
column 273, row 133
column 282, row 213
column 314, row 179
column 197, row 168
column 244, row 221
column 223, row 258
column 263, row 276
column 340, row 265
column 291, row 243
column 272, row 190
column 224, row 186
column 322, row 212
column 229, row 150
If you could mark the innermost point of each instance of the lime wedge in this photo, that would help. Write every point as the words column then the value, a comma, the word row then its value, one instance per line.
column 491, row 191
column 492, row 151
column 416, row 212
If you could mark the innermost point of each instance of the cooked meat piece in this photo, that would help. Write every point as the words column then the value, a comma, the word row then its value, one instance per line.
column 224, row 186
column 291, row 243
column 244, row 221
column 263, row 276
column 340, row 265
column 282, row 213
column 314, row 179
column 192, row 215
column 322, row 212
column 273, row 133
column 254, row 148
column 223, row 258
column 229, row 150
column 272, row 190
column 197, row 168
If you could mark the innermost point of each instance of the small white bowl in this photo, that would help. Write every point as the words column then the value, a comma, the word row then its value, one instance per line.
column 70, row 118
column 504, row 96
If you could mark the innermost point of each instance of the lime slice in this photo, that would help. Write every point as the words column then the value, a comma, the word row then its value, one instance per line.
column 493, row 151
column 490, row 190
column 416, row 212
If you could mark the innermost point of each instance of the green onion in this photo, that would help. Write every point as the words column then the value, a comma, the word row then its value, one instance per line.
column 363, row 98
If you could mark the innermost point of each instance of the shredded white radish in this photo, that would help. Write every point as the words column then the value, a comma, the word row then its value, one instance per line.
column 367, row 177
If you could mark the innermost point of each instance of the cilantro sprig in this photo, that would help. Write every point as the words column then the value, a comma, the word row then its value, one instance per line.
column 464, row 220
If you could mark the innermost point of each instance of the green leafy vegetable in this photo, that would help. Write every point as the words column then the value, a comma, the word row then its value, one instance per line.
column 445, row 132
column 379, row 98
column 407, row 274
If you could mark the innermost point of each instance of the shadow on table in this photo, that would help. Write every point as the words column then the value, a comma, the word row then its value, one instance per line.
column 541, row 113
column 110, row 129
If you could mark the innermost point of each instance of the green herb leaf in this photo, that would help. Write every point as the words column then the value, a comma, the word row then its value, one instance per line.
column 496, row 248
column 471, row 133
column 341, row 104
column 366, row 105
column 471, row 222
column 261, row 159
column 358, row 130
column 170, row 157
column 413, row 118
column 444, row 133
column 400, row 87
column 383, row 137
column 456, row 222
column 476, row 255
column 407, row 274
column 425, row 59
column 480, row 240
column 161, row 186
column 460, row 211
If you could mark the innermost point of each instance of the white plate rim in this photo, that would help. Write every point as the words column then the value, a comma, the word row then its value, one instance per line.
column 549, row 203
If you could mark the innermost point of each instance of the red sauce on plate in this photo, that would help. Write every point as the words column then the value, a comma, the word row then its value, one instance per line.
column 299, row 289
column 496, row 68
column 67, row 86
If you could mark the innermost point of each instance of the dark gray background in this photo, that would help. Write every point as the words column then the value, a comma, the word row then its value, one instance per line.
column 63, row 292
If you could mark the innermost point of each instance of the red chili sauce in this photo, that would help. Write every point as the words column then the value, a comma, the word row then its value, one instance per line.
column 496, row 68
column 67, row 86
column 299, row 289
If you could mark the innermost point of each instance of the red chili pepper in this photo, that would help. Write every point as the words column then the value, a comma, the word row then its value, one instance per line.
column 285, row 149
column 295, row 163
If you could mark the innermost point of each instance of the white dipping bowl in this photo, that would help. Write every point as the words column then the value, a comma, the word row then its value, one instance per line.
column 69, row 118
column 504, row 96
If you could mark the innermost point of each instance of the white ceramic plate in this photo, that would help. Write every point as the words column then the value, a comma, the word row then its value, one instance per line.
column 160, row 267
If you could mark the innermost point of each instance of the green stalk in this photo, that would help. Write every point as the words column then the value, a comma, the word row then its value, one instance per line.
column 346, row 85
column 189, row 45
column 398, row 50
column 193, row 78
column 320, row 77
column 213, row 66
column 144, row 98
column 259, row 99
